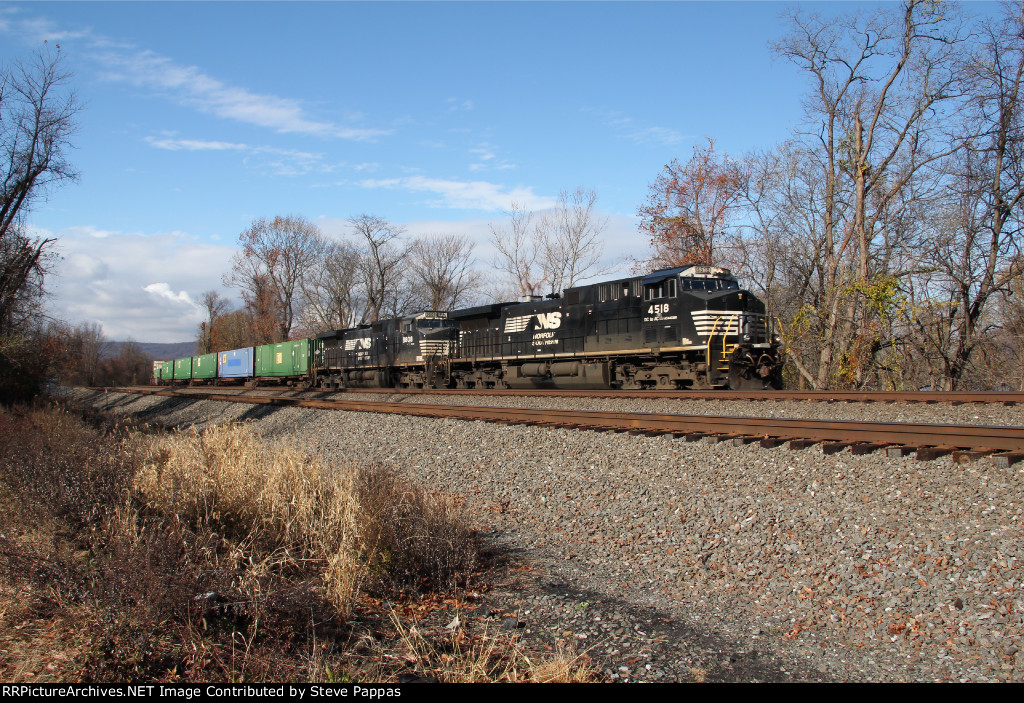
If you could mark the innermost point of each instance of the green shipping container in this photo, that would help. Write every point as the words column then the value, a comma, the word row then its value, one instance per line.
column 283, row 359
column 204, row 366
column 183, row 369
column 165, row 371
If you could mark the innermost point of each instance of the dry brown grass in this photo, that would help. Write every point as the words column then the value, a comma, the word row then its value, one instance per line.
column 410, row 541
column 285, row 511
column 60, row 481
column 462, row 656
column 217, row 556
column 278, row 509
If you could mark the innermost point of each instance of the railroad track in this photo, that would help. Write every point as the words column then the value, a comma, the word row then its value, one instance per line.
column 930, row 397
column 926, row 441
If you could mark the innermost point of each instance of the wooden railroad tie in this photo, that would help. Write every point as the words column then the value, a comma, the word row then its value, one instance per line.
column 744, row 440
column 1007, row 459
column 929, row 453
column 966, row 456
column 835, row 447
column 867, row 447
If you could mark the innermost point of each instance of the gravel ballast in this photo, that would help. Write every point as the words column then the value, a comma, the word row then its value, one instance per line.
column 669, row 560
column 938, row 412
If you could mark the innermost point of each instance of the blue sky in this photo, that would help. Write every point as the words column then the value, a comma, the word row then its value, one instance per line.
column 200, row 117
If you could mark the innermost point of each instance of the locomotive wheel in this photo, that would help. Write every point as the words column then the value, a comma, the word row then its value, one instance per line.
column 746, row 379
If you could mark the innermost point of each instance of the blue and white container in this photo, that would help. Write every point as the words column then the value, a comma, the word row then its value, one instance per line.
column 237, row 363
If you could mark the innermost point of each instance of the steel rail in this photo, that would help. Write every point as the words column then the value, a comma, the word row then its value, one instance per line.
column 954, row 397
column 987, row 438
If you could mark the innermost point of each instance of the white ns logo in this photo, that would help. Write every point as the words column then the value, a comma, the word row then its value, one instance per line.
column 549, row 321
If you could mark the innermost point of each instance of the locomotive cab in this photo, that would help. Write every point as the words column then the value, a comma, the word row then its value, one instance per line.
column 426, row 337
column 426, row 342
column 705, row 299
column 685, row 306
column 700, row 312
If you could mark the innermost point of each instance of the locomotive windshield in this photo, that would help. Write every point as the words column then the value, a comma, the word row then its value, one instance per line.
column 430, row 319
column 666, row 288
column 709, row 284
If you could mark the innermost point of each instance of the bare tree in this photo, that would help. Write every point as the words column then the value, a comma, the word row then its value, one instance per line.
column 275, row 256
column 570, row 239
column 1004, row 365
column 332, row 289
column 237, row 329
column 260, row 298
column 518, row 252
column 37, row 120
column 383, row 255
column 215, row 305
column 129, row 366
column 442, row 266
column 883, row 86
column 82, row 352
column 974, row 255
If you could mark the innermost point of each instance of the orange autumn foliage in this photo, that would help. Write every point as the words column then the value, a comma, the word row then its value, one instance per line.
column 689, row 207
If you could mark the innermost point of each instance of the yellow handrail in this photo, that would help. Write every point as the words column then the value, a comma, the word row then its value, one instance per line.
column 725, row 336
column 711, row 336
column 725, row 339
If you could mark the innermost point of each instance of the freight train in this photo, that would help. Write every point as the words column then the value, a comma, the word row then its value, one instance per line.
column 684, row 327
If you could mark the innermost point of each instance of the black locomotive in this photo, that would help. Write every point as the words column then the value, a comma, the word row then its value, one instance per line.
column 687, row 327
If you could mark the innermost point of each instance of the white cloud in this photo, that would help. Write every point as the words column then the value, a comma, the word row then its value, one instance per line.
column 89, row 231
column 136, row 285
column 194, row 145
column 33, row 30
column 486, row 159
column 469, row 195
column 454, row 104
column 162, row 290
column 655, row 135
column 484, row 152
column 281, row 162
column 628, row 128
column 502, row 166
column 187, row 85
column 84, row 267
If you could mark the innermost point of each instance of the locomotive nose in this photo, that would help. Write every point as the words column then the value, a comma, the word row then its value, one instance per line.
column 737, row 301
